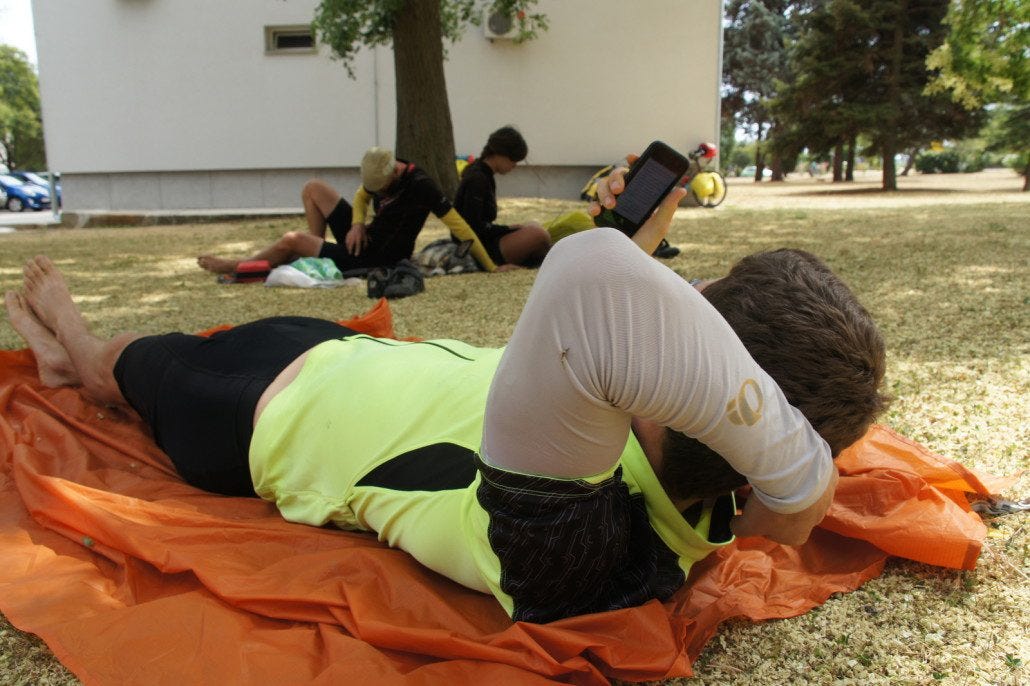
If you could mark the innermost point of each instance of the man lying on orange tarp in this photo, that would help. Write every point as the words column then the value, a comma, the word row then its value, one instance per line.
column 558, row 492
column 129, row 574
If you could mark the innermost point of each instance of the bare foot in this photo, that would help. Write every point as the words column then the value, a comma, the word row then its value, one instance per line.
column 47, row 293
column 218, row 265
column 55, row 367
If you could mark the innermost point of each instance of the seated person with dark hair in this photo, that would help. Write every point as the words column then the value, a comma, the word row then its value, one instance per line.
column 584, row 467
column 401, row 195
column 476, row 201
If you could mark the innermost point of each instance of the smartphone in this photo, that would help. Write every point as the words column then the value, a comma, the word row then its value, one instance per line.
column 649, row 180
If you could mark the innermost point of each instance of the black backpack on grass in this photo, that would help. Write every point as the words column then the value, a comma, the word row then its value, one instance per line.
column 399, row 281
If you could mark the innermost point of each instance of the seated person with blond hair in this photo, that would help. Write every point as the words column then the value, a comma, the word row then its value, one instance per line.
column 401, row 195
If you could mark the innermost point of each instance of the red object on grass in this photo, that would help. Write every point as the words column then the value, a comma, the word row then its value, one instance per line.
column 252, row 271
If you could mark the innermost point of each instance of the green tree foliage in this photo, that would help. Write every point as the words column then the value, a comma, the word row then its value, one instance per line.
column 1011, row 133
column 986, row 60
column 755, row 63
column 823, row 106
column 862, row 71
column 416, row 29
column 21, row 123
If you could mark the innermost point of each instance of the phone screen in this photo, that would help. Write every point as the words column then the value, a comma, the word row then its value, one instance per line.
column 647, row 181
column 650, row 182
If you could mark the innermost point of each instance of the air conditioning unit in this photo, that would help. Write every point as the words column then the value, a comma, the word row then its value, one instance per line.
column 498, row 25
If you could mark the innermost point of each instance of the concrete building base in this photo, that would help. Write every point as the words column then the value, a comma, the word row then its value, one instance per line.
column 149, row 194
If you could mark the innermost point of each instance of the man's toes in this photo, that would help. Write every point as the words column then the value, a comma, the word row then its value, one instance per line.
column 46, row 268
column 31, row 272
column 12, row 302
column 218, row 265
column 36, row 270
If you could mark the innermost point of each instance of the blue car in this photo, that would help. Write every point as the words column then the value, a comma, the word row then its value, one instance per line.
column 40, row 180
column 23, row 196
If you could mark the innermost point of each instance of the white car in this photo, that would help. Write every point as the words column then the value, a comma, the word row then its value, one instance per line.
column 749, row 171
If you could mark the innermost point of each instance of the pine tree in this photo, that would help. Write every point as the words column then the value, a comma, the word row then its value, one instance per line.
column 754, row 64
column 862, row 71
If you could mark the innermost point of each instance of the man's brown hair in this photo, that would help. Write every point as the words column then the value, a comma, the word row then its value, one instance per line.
column 808, row 331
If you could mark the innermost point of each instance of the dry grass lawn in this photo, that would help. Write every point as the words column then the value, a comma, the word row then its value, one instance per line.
column 941, row 264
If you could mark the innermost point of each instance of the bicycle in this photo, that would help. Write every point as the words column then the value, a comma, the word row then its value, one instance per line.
column 707, row 187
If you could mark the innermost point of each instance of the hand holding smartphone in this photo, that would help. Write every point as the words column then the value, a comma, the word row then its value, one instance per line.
column 646, row 183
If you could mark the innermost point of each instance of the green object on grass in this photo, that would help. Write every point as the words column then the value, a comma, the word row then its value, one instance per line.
column 320, row 268
column 568, row 223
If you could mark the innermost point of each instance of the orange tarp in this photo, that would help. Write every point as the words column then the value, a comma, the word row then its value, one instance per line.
column 131, row 576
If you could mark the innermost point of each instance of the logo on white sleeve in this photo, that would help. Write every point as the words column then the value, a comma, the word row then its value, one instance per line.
column 746, row 408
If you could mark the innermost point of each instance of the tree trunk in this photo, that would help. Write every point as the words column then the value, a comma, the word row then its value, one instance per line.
column 425, row 134
column 911, row 162
column 1026, row 177
column 890, row 171
column 888, row 144
column 777, row 169
column 838, row 162
column 759, row 156
column 849, row 174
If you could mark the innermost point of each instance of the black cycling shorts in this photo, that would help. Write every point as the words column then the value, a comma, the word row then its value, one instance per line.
column 568, row 547
column 340, row 220
column 198, row 395
column 490, row 236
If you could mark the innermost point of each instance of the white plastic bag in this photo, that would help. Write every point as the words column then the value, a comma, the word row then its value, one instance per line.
column 291, row 276
column 286, row 275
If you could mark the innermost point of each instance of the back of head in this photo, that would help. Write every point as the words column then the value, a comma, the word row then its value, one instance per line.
column 506, row 141
column 377, row 169
column 807, row 330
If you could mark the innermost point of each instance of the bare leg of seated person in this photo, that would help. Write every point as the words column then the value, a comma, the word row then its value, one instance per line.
column 67, row 352
column 528, row 244
column 288, row 248
column 319, row 200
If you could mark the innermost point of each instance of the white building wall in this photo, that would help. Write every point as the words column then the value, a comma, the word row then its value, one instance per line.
column 161, row 104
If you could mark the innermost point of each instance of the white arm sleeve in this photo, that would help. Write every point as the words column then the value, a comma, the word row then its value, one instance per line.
column 609, row 333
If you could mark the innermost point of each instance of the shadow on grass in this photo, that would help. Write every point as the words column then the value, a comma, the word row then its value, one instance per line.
column 853, row 192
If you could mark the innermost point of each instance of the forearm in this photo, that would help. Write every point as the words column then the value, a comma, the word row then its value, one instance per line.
column 608, row 334
column 361, row 201
column 461, row 230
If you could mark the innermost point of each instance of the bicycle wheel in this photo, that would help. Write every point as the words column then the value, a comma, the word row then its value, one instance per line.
column 708, row 189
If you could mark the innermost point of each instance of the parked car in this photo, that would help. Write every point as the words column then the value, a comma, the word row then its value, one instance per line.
column 751, row 169
column 3, row 197
column 41, row 179
column 23, row 196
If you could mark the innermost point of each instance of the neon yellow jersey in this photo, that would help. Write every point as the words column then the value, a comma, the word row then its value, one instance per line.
column 381, row 435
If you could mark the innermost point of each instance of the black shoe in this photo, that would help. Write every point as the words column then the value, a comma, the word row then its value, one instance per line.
column 377, row 279
column 666, row 251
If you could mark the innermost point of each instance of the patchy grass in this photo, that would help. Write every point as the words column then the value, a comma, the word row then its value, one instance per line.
column 949, row 285
column 24, row 659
